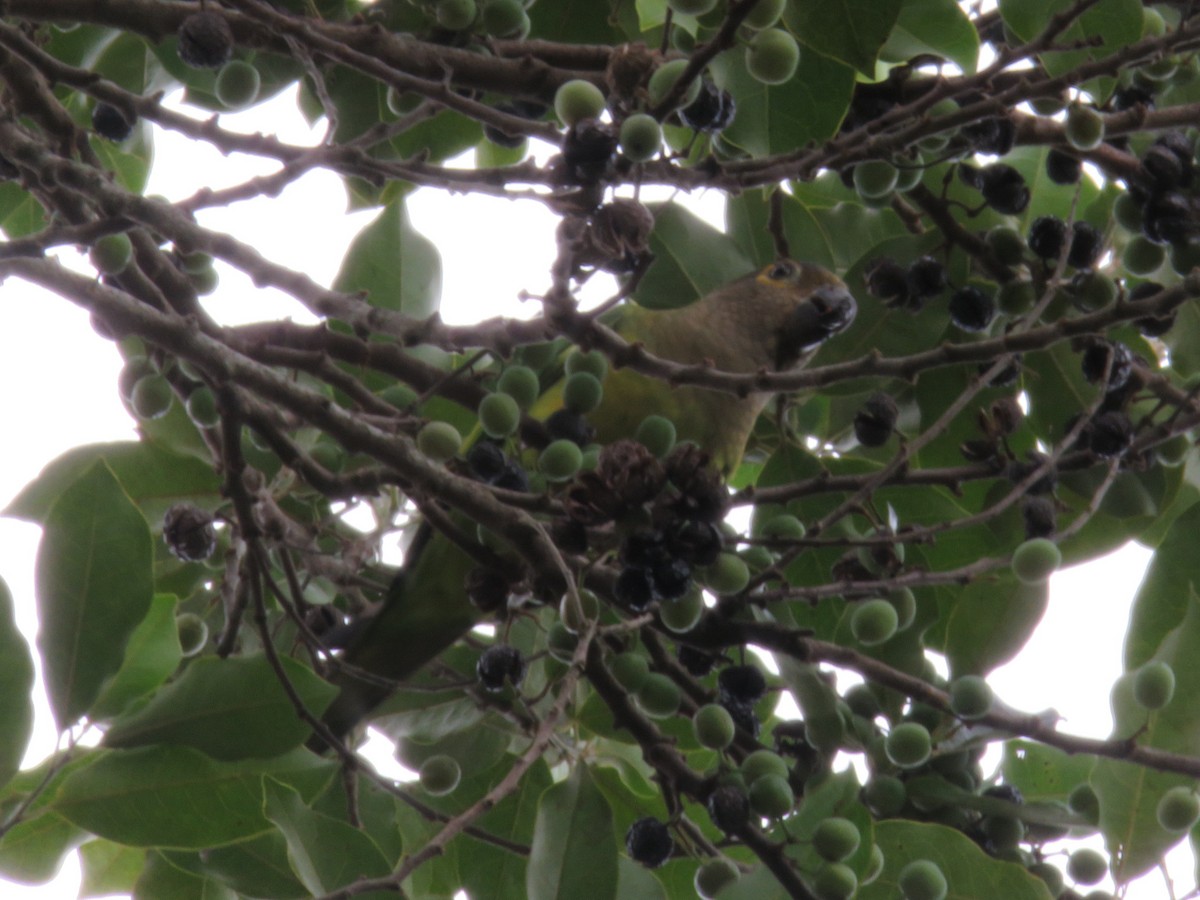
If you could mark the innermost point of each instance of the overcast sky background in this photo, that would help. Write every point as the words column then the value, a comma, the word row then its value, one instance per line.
column 59, row 391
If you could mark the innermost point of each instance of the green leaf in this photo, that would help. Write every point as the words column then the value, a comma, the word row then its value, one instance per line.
column 151, row 656
column 20, row 214
column 32, row 850
column 851, row 31
column 399, row 268
column 691, row 258
column 325, row 854
column 153, row 477
column 16, row 683
column 1161, row 602
column 969, row 871
column 161, row 879
column 94, row 584
column 990, row 620
column 109, row 868
column 1041, row 772
column 940, row 27
column 227, row 708
column 178, row 797
column 258, row 867
column 574, row 851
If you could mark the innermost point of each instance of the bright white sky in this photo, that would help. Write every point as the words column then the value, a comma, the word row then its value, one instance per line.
column 491, row 249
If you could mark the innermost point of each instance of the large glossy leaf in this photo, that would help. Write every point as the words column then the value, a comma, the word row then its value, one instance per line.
column 1162, row 600
column 990, row 620
column 109, row 868
column 940, row 27
column 258, row 867
column 850, row 31
column 691, row 258
column 574, row 852
column 94, row 586
column 1043, row 773
column 398, row 268
column 162, row 879
column 16, row 682
column 153, row 653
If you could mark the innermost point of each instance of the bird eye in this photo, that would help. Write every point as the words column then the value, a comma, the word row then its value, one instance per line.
column 782, row 269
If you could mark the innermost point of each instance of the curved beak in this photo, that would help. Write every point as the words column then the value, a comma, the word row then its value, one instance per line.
column 828, row 311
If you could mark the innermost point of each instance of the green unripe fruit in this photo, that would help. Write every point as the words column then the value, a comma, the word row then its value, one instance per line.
column 569, row 614
column 825, row 732
column 771, row 796
column 1005, row 832
column 456, row 14
column 401, row 103
column 1084, row 803
column 862, row 701
column 713, row 726
column 1128, row 212
column 237, row 84
column 714, row 876
column 151, row 397
column 439, row 775
column 192, row 632
column 664, row 79
column 970, row 697
column 885, row 795
column 773, row 56
column 201, row 407
column 582, row 392
column 560, row 642
column 111, row 253
column 835, row 881
column 400, row 396
column 205, row 280
column 499, row 415
column 836, row 839
column 763, row 762
column 757, row 558
column 1084, row 128
column 1185, row 256
column 1006, row 244
column 1153, row 24
column 922, row 880
column 1091, row 291
column 1035, row 560
column 908, row 745
column 1087, row 866
column 875, row 178
column 520, row 383
column 659, row 696
column 656, row 434
column 630, row 670
column 1174, row 450
column 506, row 19
column 1016, row 297
column 640, row 137
column 728, row 575
column 904, row 601
column 1179, row 809
column 1142, row 256
column 874, row 865
column 692, row 7
column 1049, row 874
column 1154, row 685
column 593, row 362
column 874, row 622
column 560, row 460
column 765, row 14
column 680, row 614
column 439, row 441
column 785, row 527
column 577, row 100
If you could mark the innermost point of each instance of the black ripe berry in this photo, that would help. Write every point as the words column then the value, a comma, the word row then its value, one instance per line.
column 695, row 542
column 1155, row 326
column 971, row 309
column 109, row 122
column 486, row 588
column 1086, row 244
column 588, row 149
column 1168, row 218
column 486, row 461
column 1047, row 235
column 672, row 578
column 188, row 532
column 634, row 589
column 744, row 716
column 512, row 478
column 205, row 41
column 1006, row 376
column 571, row 426
column 697, row 662
column 1038, row 514
column 1162, row 169
column 926, row 277
column 499, row 664
column 1062, row 167
column 1115, row 359
column 743, row 684
column 711, row 111
column 1018, row 471
column 729, row 808
column 876, row 420
column 888, row 280
column 644, row 549
column 1004, row 189
column 649, row 842
column 1110, row 434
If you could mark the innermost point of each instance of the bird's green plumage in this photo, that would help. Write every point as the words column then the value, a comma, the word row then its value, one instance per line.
column 748, row 325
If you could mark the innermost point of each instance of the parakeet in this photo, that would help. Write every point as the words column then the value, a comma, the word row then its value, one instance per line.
column 772, row 320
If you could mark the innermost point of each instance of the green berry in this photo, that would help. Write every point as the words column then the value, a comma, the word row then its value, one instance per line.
column 763, row 762
column 1087, row 866
column 908, row 745
column 520, row 383
column 874, row 865
column 771, row 796
column 568, row 614
column 506, row 19
column 875, row 178
column 1006, row 244
column 1084, row 128
column 970, row 697
column 659, row 696
column 664, row 79
column 905, row 603
column 560, row 460
column 764, row 14
column 1154, row 685
column 713, row 726
column 237, row 84
column 582, row 392
column 1084, row 803
column 592, row 361
column 499, row 415
column 885, row 795
column 640, row 137
column 1049, row 874
column 440, row 441
column 456, row 15
column 112, row 253
column 714, row 876
column 1091, row 291
column 630, row 670
column 874, row 622
column 204, row 280
column 1128, row 212
column 192, row 632
column 1179, row 809
column 202, row 407
column 1016, row 297
column 439, row 775
column 1035, row 560
column 835, row 838
column 728, row 575
column 1005, row 832
column 773, row 56
column 922, row 880
column 1142, row 256
column 681, row 614
column 151, row 397
column 656, row 434
column 577, row 100
column 785, row 527
column 835, row 881
column 692, row 7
